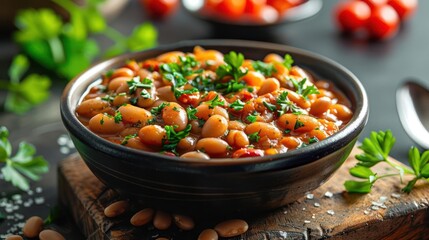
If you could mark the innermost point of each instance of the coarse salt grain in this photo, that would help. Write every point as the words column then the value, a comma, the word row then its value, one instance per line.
column 375, row 208
column 383, row 198
column 316, row 204
column 329, row 194
column 330, row 212
column 366, row 212
column 64, row 150
column 307, row 221
column 303, row 209
column 396, row 195
column 310, row 196
column 38, row 189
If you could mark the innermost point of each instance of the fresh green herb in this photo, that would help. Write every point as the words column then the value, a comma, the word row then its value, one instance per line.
column 102, row 120
column 237, row 105
column 176, row 73
column 287, row 131
column 252, row 117
column 157, row 110
column 232, row 67
column 127, row 138
column 21, row 166
column 286, row 105
column 376, row 150
column 54, row 215
column 108, row 98
column 215, row 102
column 179, row 92
column 134, row 100
column 172, row 138
column 117, row 117
column 190, row 111
column 270, row 106
column 201, row 122
column 288, row 61
column 66, row 47
column 267, row 69
column 24, row 94
column 231, row 86
column 135, row 83
column 109, row 73
column 302, row 90
column 313, row 140
column 298, row 124
column 254, row 137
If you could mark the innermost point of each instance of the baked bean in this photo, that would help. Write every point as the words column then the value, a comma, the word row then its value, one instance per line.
column 170, row 57
column 152, row 135
column 165, row 93
column 91, row 107
column 298, row 99
column 290, row 142
column 213, row 57
column 120, row 100
column 142, row 217
column 104, row 124
column 297, row 123
column 173, row 114
column 320, row 106
column 236, row 125
column 342, row 112
column 208, row 234
column 197, row 127
column 195, row 154
column 32, row 227
column 135, row 115
column 187, row 144
column 237, row 139
column 231, row 228
column 264, row 129
column 215, row 126
column 162, row 220
column 204, row 111
column 136, row 143
column 268, row 86
column 272, row 58
column 116, row 83
column 115, row 209
column 145, row 102
column 50, row 235
column 214, row 147
column 133, row 65
column 183, row 222
column 14, row 237
column 254, row 78
column 122, row 72
column 129, row 131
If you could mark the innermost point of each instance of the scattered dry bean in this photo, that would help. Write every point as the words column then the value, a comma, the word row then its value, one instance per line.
column 162, row 220
column 50, row 235
column 14, row 237
column 142, row 217
column 33, row 226
column 183, row 222
column 208, row 234
column 115, row 209
column 231, row 228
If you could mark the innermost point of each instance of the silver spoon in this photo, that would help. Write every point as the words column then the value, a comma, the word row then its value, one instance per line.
column 412, row 101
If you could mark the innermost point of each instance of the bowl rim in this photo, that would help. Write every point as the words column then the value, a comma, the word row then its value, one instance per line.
column 304, row 155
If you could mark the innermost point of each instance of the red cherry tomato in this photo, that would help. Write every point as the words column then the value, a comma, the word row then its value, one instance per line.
column 383, row 22
column 159, row 8
column 267, row 14
column 373, row 4
column 280, row 5
column 248, row 152
column 190, row 99
column 404, row 8
column 352, row 15
column 231, row 8
column 254, row 6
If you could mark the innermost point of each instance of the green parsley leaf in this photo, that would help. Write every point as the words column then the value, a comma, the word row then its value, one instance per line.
column 190, row 111
column 41, row 24
column 267, row 69
column 117, row 117
column 127, row 138
column 252, row 117
column 18, row 67
column 157, row 110
column 230, row 87
column 298, row 124
column 361, row 172
column 172, row 138
column 288, row 61
column 313, row 140
column 232, row 67
column 286, row 105
column 135, row 83
column 143, row 36
column 237, row 105
column 302, row 89
column 358, row 186
column 215, row 102
column 270, row 106
column 254, row 137
column 179, row 92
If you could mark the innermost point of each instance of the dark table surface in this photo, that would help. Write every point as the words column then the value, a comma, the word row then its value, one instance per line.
column 381, row 67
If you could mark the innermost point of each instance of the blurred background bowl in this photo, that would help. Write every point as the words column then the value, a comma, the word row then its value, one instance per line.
column 219, row 186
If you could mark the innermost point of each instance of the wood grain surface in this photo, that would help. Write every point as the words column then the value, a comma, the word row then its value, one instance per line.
column 385, row 213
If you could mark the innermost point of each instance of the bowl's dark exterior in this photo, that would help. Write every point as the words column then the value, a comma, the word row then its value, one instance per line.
column 225, row 185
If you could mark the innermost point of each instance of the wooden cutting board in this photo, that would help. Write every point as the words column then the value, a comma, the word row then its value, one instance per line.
column 385, row 213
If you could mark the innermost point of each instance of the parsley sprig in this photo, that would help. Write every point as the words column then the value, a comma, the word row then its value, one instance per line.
column 286, row 105
column 172, row 138
column 303, row 90
column 267, row 69
column 232, row 67
column 216, row 101
column 237, row 105
column 24, row 93
column 23, row 166
column 376, row 150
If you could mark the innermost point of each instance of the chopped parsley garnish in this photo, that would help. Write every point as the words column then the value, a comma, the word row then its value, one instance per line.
column 145, row 94
column 190, row 111
column 252, row 117
column 287, row 131
column 288, row 61
column 286, row 105
column 298, row 124
column 117, row 117
column 108, row 98
column 237, row 105
column 254, row 137
column 266, row 69
column 270, row 106
column 109, row 73
column 302, row 90
column 157, row 110
column 172, row 138
column 215, row 102
column 128, row 137
column 135, row 83
column 232, row 67
column 201, row 122
column 313, row 140
column 102, row 120
column 179, row 92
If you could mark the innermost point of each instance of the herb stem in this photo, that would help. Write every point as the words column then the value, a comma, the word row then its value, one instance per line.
column 56, row 49
column 67, row 5
column 397, row 166
column 115, row 36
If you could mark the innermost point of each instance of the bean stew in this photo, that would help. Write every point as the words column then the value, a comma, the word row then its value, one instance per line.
column 207, row 104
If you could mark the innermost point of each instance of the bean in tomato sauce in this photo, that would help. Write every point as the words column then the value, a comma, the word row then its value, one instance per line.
column 206, row 104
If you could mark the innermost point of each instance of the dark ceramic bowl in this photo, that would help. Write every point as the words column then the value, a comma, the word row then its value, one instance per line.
column 221, row 185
